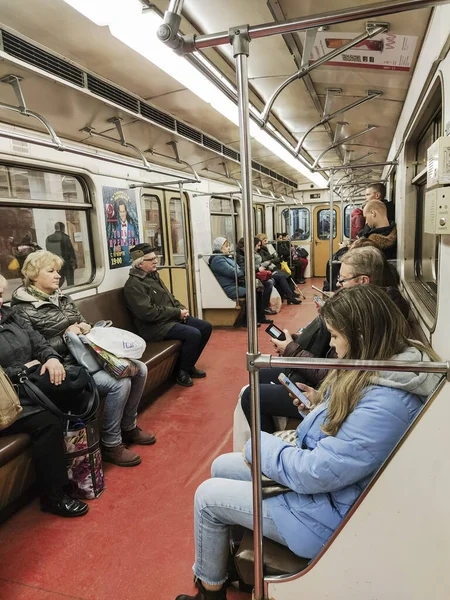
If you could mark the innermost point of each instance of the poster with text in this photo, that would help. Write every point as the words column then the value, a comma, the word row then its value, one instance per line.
column 387, row 51
column 122, row 229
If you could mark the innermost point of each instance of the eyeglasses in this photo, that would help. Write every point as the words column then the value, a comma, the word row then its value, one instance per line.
column 151, row 259
column 341, row 281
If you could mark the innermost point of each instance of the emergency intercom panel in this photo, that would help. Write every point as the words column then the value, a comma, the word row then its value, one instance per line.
column 437, row 211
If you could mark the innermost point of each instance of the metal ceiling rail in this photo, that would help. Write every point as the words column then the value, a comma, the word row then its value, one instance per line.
column 353, row 166
column 371, row 95
column 168, row 31
column 117, row 121
column 20, row 137
column 372, row 29
column 176, row 158
column 339, row 143
column 14, row 82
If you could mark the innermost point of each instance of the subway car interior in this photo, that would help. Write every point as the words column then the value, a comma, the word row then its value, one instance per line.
column 216, row 161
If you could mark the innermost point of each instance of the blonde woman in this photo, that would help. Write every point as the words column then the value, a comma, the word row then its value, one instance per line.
column 41, row 303
column 356, row 419
column 21, row 348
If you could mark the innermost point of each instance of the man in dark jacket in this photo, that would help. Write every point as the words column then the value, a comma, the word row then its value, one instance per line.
column 60, row 244
column 158, row 315
column 378, row 228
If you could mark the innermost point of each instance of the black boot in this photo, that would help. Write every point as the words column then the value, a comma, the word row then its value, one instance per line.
column 203, row 594
column 183, row 378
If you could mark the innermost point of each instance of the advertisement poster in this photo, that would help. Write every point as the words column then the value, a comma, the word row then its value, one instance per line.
column 387, row 51
column 122, row 230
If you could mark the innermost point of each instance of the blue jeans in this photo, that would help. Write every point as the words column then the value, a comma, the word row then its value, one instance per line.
column 122, row 401
column 221, row 502
column 194, row 334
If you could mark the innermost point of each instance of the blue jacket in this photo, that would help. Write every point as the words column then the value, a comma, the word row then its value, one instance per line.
column 222, row 266
column 328, row 473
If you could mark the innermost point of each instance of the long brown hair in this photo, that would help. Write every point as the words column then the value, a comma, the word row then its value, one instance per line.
column 374, row 329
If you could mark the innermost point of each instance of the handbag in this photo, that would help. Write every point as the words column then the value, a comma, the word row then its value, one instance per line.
column 120, row 342
column 302, row 253
column 10, row 407
column 285, row 267
column 264, row 275
column 81, row 435
column 269, row 487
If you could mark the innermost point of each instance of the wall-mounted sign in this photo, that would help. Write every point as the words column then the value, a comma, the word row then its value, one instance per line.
column 313, row 196
column 387, row 51
column 122, row 230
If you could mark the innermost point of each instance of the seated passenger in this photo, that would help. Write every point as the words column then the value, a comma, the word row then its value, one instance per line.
column 158, row 315
column 266, row 283
column 357, row 222
column 20, row 348
column 357, row 418
column 225, row 269
column 283, row 246
column 359, row 267
column 378, row 228
column 42, row 304
column 272, row 263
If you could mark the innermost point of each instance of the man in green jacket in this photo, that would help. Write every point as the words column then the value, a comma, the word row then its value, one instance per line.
column 158, row 315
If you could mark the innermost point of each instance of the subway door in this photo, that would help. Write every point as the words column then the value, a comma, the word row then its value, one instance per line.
column 322, row 237
column 177, row 271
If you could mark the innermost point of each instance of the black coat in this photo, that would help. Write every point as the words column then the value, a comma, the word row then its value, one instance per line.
column 155, row 310
column 20, row 344
column 47, row 318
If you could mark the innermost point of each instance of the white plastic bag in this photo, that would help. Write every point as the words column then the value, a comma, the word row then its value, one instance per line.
column 275, row 300
column 120, row 342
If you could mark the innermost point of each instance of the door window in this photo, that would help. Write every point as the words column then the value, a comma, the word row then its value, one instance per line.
column 176, row 232
column 323, row 224
column 152, row 220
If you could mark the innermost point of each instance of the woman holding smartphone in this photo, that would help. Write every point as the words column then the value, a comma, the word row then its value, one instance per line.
column 356, row 419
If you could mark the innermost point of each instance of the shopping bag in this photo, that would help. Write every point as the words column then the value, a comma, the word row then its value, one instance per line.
column 285, row 267
column 116, row 366
column 275, row 300
column 120, row 342
column 84, row 460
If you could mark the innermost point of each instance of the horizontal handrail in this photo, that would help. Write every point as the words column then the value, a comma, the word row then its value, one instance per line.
column 263, row 361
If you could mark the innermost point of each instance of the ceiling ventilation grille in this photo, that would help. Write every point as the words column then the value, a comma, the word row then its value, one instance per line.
column 39, row 58
column 157, row 116
column 33, row 55
column 110, row 92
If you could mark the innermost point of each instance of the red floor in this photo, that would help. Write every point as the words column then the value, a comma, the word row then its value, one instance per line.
column 136, row 543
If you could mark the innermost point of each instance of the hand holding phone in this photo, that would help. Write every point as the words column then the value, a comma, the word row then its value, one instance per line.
column 293, row 389
column 276, row 332
column 319, row 301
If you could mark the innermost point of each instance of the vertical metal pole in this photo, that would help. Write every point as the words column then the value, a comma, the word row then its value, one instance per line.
column 330, row 274
column 342, row 219
column 187, row 265
column 240, row 41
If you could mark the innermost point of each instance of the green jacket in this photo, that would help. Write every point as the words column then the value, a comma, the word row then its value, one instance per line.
column 155, row 310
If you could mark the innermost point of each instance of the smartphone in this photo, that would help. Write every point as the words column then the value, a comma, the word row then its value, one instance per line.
column 320, row 291
column 293, row 389
column 276, row 332
column 319, row 301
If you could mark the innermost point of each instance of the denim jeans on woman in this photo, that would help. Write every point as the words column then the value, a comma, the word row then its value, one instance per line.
column 122, row 401
column 221, row 502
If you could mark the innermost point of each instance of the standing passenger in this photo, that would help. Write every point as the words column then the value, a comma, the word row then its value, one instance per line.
column 60, row 244
column 158, row 315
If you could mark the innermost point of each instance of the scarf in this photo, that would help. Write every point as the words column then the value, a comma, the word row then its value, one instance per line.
column 43, row 296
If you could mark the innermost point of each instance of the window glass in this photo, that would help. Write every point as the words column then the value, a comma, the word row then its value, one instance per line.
column 347, row 220
column 64, row 232
column 297, row 223
column 176, row 232
column 152, row 221
column 323, row 224
column 30, row 184
column 259, row 220
column 220, row 205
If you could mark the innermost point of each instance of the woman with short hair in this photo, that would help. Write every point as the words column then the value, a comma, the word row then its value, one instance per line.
column 42, row 304
column 21, row 349
column 355, row 420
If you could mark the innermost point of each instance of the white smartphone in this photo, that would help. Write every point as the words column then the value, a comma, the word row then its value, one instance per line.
column 321, row 291
column 293, row 389
column 319, row 301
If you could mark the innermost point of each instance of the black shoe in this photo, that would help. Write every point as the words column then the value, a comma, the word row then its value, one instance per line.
column 64, row 506
column 183, row 378
column 302, row 281
column 265, row 321
column 270, row 311
column 293, row 301
column 196, row 373
column 203, row 594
